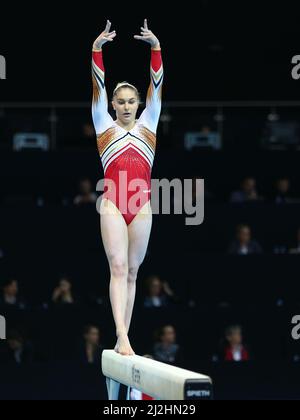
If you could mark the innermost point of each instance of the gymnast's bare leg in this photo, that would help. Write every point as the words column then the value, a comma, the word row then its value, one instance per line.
column 115, row 241
column 138, row 238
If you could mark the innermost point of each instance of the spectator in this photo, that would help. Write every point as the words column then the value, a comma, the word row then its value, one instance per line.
column 10, row 295
column 282, row 192
column 18, row 350
column 296, row 249
column 158, row 293
column 165, row 348
column 85, row 195
column 63, row 292
column 243, row 244
column 90, row 349
column 247, row 192
column 233, row 349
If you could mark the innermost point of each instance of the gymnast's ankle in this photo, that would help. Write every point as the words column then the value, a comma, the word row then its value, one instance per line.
column 121, row 332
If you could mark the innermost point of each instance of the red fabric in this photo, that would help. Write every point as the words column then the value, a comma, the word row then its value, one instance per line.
column 229, row 354
column 156, row 60
column 135, row 167
column 98, row 59
column 146, row 397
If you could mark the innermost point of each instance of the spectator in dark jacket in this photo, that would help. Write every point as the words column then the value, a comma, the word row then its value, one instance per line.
column 63, row 293
column 10, row 295
column 165, row 348
column 282, row 192
column 247, row 193
column 243, row 244
column 17, row 349
column 90, row 349
column 158, row 293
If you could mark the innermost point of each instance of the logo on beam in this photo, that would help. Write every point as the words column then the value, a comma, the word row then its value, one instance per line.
column 136, row 375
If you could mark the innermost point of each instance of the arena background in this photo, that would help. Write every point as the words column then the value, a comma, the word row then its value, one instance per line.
column 227, row 67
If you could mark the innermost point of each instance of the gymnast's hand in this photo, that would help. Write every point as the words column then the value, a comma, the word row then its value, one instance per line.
column 104, row 37
column 148, row 36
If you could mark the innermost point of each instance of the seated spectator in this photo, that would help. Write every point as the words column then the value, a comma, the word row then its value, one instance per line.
column 296, row 249
column 165, row 348
column 10, row 295
column 232, row 348
column 63, row 292
column 86, row 195
column 282, row 192
column 158, row 293
column 243, row 244
column 90, row 349
column 17, row 350
column 247, row 192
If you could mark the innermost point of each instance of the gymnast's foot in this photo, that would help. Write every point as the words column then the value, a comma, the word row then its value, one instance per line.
column 123, row 346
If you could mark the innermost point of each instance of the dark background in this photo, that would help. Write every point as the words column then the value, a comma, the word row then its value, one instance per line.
column 211, row 49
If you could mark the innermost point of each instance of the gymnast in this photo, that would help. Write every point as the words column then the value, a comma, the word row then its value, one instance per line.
column 126, row 146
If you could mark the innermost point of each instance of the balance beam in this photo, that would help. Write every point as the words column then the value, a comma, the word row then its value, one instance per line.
column 159, row 380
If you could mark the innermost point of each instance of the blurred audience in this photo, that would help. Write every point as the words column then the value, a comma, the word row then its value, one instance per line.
column 85, row 194
column 244, row 244
column 248, row 192
column 17, row 349
column 63, row 293
column 282, row 191
column 158, row 293
column 10, row 295
column 234, row 349
column 165, row 348
column 90, row 349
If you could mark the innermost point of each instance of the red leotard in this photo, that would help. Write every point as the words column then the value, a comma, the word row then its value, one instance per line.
column 127, row 155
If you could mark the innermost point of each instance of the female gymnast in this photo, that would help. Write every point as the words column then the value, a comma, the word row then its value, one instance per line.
column 126, row 145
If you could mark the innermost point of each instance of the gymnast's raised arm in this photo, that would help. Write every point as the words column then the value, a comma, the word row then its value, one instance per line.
column 150, row 115
column 101, row 118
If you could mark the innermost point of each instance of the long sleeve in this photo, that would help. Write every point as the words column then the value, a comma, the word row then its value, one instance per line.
column 150, row 116
column 101, row 118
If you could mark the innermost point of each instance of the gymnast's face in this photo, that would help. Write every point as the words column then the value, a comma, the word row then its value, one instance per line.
column 126, row 104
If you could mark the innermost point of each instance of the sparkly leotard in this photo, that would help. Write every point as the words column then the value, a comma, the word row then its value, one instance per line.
column 127, row 156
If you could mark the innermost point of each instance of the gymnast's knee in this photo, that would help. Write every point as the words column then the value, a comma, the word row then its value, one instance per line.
column 119, row 267
column 132, row 273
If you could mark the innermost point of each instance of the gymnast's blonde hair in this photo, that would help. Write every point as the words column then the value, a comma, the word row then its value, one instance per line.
column 125, row 84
